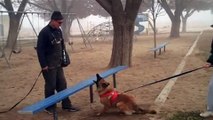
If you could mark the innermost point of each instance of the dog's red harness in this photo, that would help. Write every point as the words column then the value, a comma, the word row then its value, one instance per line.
column 112, row 96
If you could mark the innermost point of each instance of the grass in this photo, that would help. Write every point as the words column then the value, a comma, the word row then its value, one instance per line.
column 193, row 115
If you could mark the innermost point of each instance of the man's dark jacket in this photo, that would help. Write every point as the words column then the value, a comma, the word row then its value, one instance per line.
column 49, row 47
column 210, row 59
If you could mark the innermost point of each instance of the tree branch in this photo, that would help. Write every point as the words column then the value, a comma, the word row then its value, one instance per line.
column 117, row 7
column 54, row 5
column 21, row 8
column 8, row 5
column 71, row 5
column 165, row 5
column 22, row 5
column 2, row 4
column 38, row 6
column 106, row 4
column 132, row 7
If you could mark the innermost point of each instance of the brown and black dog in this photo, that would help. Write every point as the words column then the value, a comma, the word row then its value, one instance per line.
column 109, row 97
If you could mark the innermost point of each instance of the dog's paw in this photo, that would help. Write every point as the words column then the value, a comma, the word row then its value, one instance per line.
column 98, row 114
column 127, row 112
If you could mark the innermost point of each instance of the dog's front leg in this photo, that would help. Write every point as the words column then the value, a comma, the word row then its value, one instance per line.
column 103, row 110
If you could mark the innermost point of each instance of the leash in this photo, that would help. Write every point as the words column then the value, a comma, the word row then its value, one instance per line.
column 24, row 96
column 165, row 79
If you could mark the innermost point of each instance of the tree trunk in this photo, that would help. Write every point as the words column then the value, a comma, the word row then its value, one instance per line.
column 175, row 32
column 155, row 34
column 123, row 20
column 14, row 18
column 175, row 29
column 65, row 27
column 68, row 18
column 184, row 24
column 185, row 18
column 175, row 18
column 122, row 44
column 13, row 32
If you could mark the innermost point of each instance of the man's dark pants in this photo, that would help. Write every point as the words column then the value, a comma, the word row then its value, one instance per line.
column 55, row 80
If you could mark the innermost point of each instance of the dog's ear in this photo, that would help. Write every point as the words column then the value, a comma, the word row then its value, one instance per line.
column 96, row 83
column 98, row 77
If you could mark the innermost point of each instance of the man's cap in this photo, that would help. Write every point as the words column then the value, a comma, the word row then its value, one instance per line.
column 212, row 25
column 56, row 15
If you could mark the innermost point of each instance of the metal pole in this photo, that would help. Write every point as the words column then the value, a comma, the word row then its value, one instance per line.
column 114, row 80
column 91, row 93
column 55, row 115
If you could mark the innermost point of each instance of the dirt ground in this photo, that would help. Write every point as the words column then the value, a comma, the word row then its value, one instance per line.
column 188, row 94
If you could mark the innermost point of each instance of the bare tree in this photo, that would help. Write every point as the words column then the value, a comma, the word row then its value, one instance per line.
column 73, row 9
column 184, row 17
column 179, row 6
column 191, row 7
column 123, row 19
column 156, row 11
column 174, row 17
column 63, row 6
column 14, row 20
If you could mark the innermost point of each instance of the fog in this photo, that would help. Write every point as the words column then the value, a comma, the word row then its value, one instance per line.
column 197, row 22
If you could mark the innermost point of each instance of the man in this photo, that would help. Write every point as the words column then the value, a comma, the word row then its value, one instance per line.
column 49, row 50
column 209, row 112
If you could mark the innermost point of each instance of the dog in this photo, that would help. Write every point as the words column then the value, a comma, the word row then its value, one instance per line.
column 110, row 98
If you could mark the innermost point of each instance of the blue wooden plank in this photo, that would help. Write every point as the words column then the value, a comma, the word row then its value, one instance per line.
column 159, row 46
column 41, row 105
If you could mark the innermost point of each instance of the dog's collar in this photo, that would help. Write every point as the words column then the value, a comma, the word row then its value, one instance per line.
column 112, row 96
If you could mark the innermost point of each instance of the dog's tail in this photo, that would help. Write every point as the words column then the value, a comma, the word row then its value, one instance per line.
column 140, row 110
column 146, row 111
